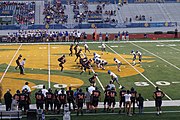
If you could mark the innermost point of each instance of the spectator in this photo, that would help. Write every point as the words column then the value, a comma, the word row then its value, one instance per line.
column 128, row 102
column 87, row 99
column 8, row 100
column 140, row 103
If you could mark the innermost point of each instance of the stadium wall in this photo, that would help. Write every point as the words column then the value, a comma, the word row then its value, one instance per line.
column 87, row 26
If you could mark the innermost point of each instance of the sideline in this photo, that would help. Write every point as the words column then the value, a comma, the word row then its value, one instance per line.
column 134, row 41
column 10, row 63
column 136, row 69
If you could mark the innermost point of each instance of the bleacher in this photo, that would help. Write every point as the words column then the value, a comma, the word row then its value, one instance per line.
column 22, row 12
column 64, row 13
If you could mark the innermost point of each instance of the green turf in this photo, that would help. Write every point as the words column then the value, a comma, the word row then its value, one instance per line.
column 154, row 71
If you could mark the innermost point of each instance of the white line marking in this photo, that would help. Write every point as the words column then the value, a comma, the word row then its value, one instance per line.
column 10, row 63
column 60, row 43
column 98, row 80
column 96, row 76
column 175, row 82
column 49, row 67
column 171, row 46
column 114, row 46
column 156, row 56
column 136, row 70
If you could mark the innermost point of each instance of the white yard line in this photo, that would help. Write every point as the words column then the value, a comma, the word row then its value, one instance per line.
column 170, row 47
column 96, row 77
column 156, row 56
column 49, row 67
column 10, row 63
column 98, row 80
column 136, row 70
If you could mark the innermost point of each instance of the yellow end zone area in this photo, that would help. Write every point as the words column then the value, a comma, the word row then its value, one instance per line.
column 37, row 58
column 15, row 81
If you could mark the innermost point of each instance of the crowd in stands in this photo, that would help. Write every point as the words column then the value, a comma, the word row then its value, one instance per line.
column 54, row 13
column 80, row 16
column 56, row 100
column 142, row 18
column 23, row 12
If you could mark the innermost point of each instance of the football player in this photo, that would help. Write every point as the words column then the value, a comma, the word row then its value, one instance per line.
column 62, row 60
column 114, row 78
column 139, row 54
column 119, row 63
column 134, row 57
column 86, row 48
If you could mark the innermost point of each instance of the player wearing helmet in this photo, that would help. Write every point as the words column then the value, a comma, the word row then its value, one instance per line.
column 139, row 54
column 134, row 57
column 119, row 63
column 62, row 60
column 114, row 77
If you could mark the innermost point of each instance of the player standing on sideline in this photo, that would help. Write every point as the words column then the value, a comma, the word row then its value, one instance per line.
column 17, row 61
column 95, row 99
column 62, row 100
column 114, row 78
column 134, row 57
column 123, row 36
column 140, row 103
column 112, row 102
column 70, row 98
column 48, row 101
column 71, row 50
column 133, row 98
column 39, row 99
column 107, row 37
column 158, row 95
column 100, row 37
column 80, row 101
column 106, row 96
column 119, row 35
column 118, row 63
column 62, row 60
column 122, row 99
column 86, row 48
column 139, row 54
column 127, row 36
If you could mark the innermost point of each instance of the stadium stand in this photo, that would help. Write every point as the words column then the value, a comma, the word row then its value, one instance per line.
column 17, row 12
column 62, row 14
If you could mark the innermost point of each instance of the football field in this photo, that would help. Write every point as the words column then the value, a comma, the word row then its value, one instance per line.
column 160, row 67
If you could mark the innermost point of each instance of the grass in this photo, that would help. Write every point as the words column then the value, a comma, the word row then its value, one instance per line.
column 149, row 115
column 152, row 67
